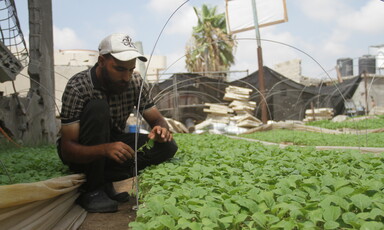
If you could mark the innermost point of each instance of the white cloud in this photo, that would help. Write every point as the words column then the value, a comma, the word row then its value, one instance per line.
column 182, row 22
column 336, row 43
column 165, row 6
column 66, row 38
column 368, row 19
column 323, row 10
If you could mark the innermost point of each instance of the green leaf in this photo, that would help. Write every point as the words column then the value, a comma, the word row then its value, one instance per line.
column 208, row 223
column 281, row 209
column 231, row 207
column 254, row 194
column 239, row 218
column 295, row 213
column 364, row 215
column 371, row 215
column 156, row 205
column 198, row 192
column 172, row 210
column 148, row 145
column 308, row 225
column 379, row 204
column 268, row 199
column 331, row 213
column 187, row 215
column 260, row 219
column 375, row 212
column 284, row 224
column 372, row 225
column 226, row 221
column 351, row 219
column 361, row 201
column 247, row 203
column 339, row 183
column 183, row 223
column 344, row 191
column 212, row 213
column 167, row 221
column 331, row 225
column 138, row 226
column 316, row 216
column 195, row 226
column 334, row 200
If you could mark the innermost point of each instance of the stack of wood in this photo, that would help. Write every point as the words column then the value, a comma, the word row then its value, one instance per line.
column 242, row 106
column 233, row 93
column 176, row 126
column 218, row 113
column 318, row 114
column 246, row 121
column 237, row 113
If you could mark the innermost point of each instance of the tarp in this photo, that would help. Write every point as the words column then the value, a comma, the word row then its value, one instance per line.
column 46, row 204
column 240, row 14
column 288, row 100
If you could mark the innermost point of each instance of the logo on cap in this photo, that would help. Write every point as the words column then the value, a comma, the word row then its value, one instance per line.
column 127, row 41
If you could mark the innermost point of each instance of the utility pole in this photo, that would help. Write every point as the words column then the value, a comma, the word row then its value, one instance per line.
column 41, row 125
column 263, row 102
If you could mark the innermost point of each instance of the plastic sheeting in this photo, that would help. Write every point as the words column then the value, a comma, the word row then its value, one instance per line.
column 240, row 14
column 46, row 204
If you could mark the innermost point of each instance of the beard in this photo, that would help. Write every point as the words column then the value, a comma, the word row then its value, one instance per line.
column 111, row 86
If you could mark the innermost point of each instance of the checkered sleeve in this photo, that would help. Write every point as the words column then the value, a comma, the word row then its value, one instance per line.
column 72, row 104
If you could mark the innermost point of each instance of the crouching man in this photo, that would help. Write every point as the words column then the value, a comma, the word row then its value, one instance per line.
column 96, row 104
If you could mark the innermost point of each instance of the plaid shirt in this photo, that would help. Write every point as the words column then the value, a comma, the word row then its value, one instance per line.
column 84, row 86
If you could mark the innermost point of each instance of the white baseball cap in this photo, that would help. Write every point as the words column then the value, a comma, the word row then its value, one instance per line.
column 121, row 47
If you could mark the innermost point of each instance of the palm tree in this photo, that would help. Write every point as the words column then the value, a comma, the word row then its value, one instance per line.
column 211, row 47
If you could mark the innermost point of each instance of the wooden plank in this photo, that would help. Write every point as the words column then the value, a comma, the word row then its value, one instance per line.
column 218, row 107
column 238, row 90
column 216, row 111
column 233, row 96
column 248, row 124
column 236, row 103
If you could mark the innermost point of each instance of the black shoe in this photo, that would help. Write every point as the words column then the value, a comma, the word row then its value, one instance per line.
column 97, row 201
column 111, row 192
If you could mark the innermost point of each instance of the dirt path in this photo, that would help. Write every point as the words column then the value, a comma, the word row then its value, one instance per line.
column 113, row 221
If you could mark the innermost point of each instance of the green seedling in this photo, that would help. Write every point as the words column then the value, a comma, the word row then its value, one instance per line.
column 147, row 146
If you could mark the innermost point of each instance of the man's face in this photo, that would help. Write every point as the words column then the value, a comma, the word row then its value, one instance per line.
column 116, row 75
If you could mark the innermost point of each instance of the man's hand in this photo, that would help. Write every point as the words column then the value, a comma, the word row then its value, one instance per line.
column 119, row 152
column 160, row 134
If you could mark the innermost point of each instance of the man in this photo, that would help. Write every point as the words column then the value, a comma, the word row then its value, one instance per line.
column 96, row 104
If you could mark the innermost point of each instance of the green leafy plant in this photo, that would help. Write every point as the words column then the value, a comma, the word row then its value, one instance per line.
column 318, row 139
column 148, row 145
column 219, row 183
column 351, row 123
column 29, row 164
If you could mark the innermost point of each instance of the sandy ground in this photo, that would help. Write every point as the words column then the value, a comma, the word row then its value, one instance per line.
column 113, row 221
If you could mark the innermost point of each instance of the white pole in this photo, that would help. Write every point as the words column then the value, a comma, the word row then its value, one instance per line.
column 263, row 102
column 256, row 22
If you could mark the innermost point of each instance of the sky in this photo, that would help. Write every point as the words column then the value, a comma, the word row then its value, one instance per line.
column 318, row 31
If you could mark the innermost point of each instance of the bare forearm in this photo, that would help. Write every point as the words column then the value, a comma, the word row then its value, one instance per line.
column 160, row 122
column 77, row 153
column 154, row 118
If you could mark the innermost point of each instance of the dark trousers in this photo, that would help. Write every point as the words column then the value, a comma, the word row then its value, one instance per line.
column 95, row 128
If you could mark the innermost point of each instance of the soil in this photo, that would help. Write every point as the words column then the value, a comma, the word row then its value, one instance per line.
column 113, row 221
